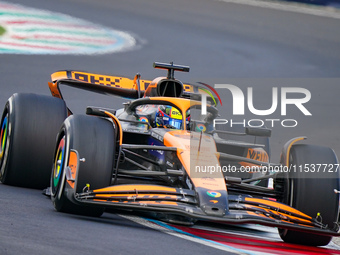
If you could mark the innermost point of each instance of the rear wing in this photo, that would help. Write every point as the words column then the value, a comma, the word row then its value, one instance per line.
column 112, row 85
column 98, row 83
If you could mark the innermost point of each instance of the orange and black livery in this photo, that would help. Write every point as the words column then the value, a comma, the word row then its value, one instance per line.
column 161, row 154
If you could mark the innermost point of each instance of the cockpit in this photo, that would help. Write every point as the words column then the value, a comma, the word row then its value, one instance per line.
column 179, row 114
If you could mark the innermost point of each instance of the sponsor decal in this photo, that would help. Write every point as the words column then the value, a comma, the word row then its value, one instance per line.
column 200, row 128
column 143, row 119
column 257, row 154
column 213, row 194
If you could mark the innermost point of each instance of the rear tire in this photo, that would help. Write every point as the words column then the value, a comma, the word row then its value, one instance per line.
column 93, row 139
column 312, row 192
column 29, row 125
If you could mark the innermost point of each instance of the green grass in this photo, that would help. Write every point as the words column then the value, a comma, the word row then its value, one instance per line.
column 2, row 30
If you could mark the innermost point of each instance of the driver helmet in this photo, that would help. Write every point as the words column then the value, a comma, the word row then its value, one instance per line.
column 168, row 116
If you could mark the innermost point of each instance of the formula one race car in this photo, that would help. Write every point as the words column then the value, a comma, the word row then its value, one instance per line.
column 162, row 154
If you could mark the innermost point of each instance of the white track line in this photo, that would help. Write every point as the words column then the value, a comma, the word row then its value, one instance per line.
column 177, row 233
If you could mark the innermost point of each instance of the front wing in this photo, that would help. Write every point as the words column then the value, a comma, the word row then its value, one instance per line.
column 241, row 209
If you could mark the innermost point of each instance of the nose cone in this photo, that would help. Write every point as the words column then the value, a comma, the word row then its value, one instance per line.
column 213, row 203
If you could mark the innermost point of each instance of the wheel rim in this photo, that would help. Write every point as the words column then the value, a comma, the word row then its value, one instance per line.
column 3, row 138
column 58, row 166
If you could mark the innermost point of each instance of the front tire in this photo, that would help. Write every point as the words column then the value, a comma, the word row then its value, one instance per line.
column 312, row 192
column 93, row 139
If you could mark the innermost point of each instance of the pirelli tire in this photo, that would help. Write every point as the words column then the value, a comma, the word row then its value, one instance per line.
column 29, row 125
column 312, row 191
column 93, row 139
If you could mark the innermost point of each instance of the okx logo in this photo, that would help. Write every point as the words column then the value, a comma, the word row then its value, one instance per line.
column 295, row 96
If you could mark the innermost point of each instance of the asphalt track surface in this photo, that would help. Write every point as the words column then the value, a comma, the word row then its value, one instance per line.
column 221, row 42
